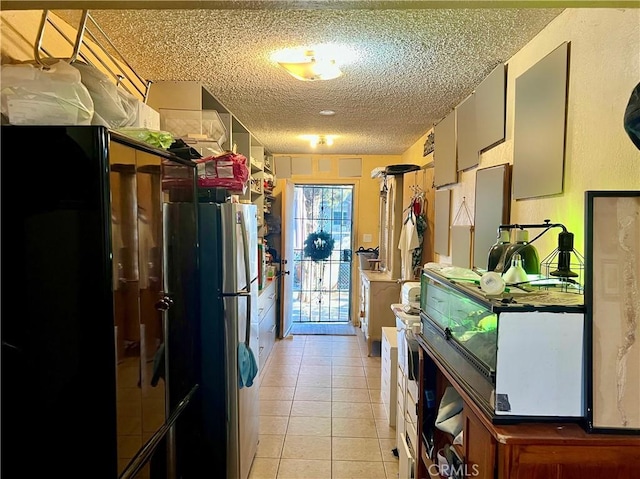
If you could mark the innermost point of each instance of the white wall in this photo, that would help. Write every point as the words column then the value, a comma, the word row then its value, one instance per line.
column 604, row 66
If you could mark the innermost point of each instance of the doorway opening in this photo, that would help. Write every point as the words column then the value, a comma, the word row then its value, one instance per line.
column 322, row 289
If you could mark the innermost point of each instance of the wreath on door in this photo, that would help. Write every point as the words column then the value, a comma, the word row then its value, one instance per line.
column 318, row 246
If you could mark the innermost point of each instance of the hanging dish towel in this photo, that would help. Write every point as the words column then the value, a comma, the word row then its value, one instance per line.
column 247, row 365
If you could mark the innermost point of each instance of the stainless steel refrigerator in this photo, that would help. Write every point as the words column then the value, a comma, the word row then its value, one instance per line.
column 229, row 296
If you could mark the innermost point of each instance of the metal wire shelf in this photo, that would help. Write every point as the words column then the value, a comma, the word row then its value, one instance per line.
column 93, row 47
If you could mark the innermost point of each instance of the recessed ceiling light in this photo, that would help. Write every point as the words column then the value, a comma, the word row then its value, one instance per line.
column 327, row 112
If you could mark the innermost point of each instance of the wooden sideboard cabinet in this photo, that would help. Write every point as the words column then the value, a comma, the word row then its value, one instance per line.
column 535, row 450
column 267, row 317
column 506, row 362
column 378, row 291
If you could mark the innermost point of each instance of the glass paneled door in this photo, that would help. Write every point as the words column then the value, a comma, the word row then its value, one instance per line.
column 322, row 288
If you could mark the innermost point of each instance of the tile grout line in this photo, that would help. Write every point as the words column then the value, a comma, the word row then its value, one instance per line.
column 366, row 366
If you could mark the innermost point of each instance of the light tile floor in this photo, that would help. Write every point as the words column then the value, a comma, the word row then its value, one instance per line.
column 321, row 414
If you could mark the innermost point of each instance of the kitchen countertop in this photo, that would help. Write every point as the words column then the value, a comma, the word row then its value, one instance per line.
column 372, row 275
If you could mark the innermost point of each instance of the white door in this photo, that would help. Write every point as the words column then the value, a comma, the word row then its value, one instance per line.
column 286, row 276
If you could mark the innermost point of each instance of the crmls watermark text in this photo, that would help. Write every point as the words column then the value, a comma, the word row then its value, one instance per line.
column 463, row 470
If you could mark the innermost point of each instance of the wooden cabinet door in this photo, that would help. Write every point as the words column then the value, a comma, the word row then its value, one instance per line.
column 479, row 447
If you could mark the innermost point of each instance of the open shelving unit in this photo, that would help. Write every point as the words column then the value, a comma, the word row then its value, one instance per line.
column 191, row 102
column 261, row 184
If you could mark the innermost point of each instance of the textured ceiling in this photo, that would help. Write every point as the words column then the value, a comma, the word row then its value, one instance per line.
column 413, row 65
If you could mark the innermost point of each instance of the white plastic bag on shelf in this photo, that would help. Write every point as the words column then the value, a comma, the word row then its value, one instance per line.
column 114, row 107
column 32, row 95
column 449, row 417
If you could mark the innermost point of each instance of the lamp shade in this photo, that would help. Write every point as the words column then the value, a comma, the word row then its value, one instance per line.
column 566, row 264
column 565, row 248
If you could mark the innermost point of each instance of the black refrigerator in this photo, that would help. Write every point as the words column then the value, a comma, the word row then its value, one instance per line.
column 100, row 313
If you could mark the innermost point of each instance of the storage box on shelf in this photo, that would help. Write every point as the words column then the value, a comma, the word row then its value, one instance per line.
column 203, row 130
column 188, row 105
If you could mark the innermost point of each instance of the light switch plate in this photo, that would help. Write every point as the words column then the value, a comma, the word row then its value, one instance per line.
column 367, row 238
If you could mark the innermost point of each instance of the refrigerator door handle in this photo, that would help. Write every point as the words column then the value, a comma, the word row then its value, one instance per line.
column 164, row 304
column 247, row 271
column 144, row 453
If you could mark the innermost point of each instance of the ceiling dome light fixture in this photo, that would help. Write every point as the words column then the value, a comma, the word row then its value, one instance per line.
column 319, row 140
column 327, row 112
column 312, row 68
column 325, row 140
column 320, row 62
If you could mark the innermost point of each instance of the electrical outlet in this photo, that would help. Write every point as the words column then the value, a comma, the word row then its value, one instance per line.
column 367, row 238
